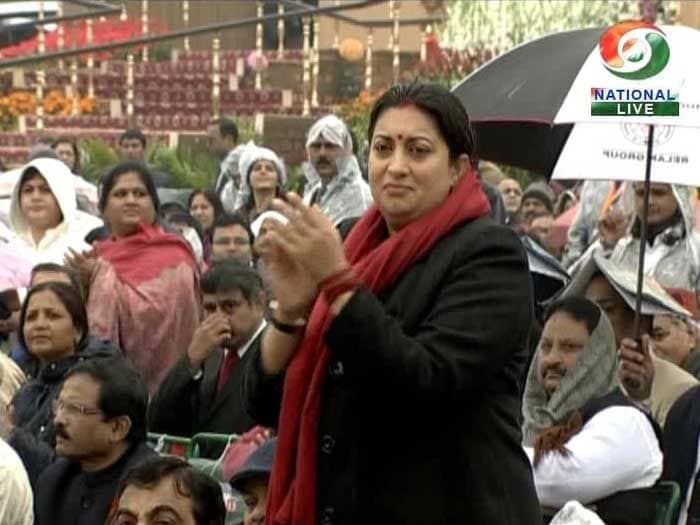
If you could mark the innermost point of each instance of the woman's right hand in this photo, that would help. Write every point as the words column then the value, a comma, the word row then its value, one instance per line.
column 290, row 284
column 612, row 227
column 82, row 263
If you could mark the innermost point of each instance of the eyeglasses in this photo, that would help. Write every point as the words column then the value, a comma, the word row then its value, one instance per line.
column 73, row 409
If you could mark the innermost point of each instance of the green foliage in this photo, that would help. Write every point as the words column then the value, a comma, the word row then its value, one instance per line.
column 355, row 113
column 161, row 52
column 523, row 176
column 97, row 156
column 188, row 166
column 246, row 129
column 506, row 23
column 295, row 179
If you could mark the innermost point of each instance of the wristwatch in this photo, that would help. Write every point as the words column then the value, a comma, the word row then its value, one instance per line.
column 285, row 327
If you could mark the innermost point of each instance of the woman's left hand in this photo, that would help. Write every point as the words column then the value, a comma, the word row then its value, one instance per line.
column 311, row 238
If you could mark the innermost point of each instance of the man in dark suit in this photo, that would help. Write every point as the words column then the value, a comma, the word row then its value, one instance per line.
column 100, row 422
column 201, row 393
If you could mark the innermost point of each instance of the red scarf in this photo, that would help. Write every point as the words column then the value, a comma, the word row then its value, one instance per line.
column 378, row 260
column 145, row 254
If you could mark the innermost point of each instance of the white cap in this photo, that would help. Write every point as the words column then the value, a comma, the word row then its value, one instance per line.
column 270, row 214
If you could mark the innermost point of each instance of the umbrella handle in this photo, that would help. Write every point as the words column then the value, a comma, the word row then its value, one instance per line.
column 631, row 384
column 643, row 239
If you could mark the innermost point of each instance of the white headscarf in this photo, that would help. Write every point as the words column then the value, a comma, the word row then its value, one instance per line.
column 347, row 195
column 333, row 130
column 251, row 154
column 269, row 214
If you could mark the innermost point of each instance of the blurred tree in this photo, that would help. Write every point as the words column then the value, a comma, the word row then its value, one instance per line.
column 503, row 24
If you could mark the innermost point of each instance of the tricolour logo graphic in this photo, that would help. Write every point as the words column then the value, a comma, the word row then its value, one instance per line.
column 634, row 50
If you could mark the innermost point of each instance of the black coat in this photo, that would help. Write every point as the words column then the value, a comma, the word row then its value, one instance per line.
column 67, row 495
column 184, row 406
column 420, row 416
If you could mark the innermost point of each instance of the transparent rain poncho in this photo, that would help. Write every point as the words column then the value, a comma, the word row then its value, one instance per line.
column 347, row 195
column 250, row 154
column 674, row 257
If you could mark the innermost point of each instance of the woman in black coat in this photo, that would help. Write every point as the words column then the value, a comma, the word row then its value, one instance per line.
column 397, row 356
column 54, row 329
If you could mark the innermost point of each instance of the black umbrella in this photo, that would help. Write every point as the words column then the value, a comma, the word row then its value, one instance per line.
column 512, row 100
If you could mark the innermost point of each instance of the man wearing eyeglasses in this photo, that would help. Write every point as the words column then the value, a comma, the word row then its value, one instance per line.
column 201, row 393
column 100, row 424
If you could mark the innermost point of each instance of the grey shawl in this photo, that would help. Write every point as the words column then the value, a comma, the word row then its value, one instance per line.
column 593, row 375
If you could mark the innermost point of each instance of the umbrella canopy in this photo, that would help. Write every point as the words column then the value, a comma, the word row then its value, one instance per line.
column 16, row 267
column 523, row 104
column 530, row 82
column 513, row 99
column 618, row 151
column 655, row 300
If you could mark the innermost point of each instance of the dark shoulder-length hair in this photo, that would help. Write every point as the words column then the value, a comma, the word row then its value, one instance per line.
column 72, row 300
column 447, row 110
column 249, row 205
column 65, row 139
column 128, row 166
column 211, row 196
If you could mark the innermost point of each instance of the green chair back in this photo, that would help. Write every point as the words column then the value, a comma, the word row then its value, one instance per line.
column 165, row 444
column 209, row 441
column 667, row 504
column 190, row 449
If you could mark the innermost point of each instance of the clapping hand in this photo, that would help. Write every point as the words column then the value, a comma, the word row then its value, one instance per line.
column 612, row 227
column 83, row 263
column 300, row 254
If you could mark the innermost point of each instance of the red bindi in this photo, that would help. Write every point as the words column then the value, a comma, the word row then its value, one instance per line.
column 399, row 136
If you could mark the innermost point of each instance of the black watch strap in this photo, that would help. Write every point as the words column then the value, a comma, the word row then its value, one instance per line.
column 284, row 327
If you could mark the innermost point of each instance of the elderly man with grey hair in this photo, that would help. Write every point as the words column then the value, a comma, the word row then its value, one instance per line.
column 334, row 179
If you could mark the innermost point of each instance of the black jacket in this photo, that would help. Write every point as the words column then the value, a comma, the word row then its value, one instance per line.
column 184, row 406
column 420, row 416
column 67, row 495
column 681, row 437
column 692, row 364
column 34, row 437
column 93, row 345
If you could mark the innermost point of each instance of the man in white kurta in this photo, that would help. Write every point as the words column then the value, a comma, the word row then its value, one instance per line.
column 585, row 440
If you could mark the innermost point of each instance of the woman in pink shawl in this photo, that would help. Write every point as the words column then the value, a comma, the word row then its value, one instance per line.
column 143, row 280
